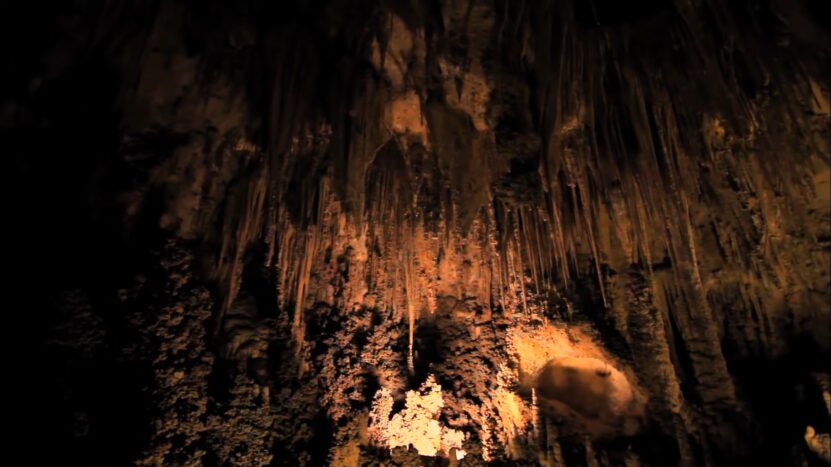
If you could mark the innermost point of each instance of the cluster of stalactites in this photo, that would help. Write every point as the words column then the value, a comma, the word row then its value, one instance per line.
column 633, row 145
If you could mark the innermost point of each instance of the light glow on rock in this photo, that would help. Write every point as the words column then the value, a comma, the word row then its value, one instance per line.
column 417, row 425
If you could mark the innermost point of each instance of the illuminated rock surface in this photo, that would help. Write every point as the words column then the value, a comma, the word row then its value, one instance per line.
column 417, row 424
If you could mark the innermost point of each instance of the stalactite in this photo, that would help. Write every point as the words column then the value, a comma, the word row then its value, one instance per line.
column 410, row 284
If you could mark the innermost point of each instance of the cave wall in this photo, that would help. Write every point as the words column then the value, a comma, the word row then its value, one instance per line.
column 260, row 218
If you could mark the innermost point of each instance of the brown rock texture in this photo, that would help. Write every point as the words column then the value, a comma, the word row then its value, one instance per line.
column 508, row 232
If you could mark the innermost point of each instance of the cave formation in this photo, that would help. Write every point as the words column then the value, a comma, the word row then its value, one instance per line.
column 406, row 232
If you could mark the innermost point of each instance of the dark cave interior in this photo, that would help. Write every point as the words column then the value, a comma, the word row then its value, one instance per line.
column 440, row 232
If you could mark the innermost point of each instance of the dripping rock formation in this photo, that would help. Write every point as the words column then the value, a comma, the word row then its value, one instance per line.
column 406, row 232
